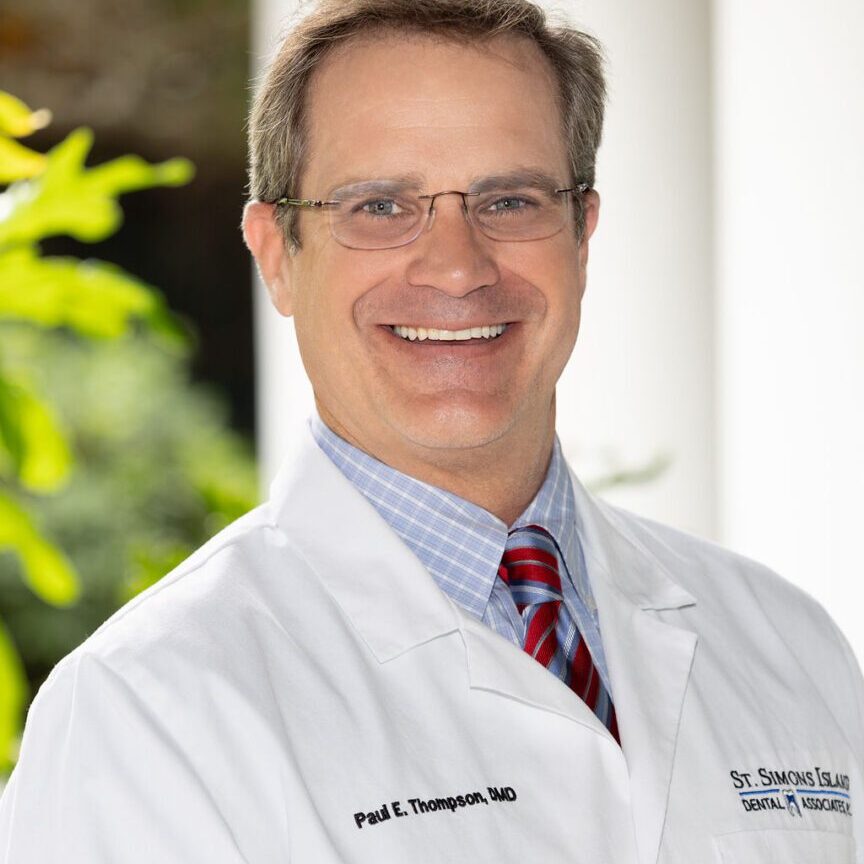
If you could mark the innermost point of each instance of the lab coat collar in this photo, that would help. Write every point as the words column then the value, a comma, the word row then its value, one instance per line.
column 612, row 546
column 313, row 501
column 356, row 554
column 649, row 653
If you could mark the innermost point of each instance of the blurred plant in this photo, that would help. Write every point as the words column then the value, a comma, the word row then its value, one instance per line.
column 72, row 392
column 616, row 474
column 157, row 474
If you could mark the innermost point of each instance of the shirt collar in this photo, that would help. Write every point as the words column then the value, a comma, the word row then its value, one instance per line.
column 458, row 542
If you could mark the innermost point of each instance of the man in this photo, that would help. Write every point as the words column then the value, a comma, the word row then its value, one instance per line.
column 432, row 644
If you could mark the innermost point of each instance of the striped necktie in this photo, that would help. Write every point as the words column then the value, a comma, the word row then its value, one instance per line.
column 530, row 569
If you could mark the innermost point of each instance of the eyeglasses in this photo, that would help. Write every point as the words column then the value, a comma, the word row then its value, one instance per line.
column 388, row 214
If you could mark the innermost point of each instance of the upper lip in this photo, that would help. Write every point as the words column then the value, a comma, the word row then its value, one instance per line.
column 448, row 326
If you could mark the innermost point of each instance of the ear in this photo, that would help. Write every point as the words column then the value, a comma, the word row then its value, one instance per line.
column 591, row 213
column 266, row 242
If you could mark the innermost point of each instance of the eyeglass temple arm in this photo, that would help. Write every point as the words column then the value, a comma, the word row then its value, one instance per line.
column 303, row 202
column 579, row 187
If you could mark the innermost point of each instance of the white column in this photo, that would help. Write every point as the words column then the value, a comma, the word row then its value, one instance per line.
column 790, row 181
column 282, row 391
column 640, row 385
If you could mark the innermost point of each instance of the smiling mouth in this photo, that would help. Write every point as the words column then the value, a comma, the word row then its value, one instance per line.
column 432, row 334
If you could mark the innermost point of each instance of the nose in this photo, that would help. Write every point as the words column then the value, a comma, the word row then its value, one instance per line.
column 451, row 255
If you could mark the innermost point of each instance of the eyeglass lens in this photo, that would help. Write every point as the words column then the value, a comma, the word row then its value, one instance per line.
column 381, row 216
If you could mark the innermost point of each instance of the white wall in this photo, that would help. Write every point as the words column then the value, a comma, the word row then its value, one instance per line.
column 790, row 206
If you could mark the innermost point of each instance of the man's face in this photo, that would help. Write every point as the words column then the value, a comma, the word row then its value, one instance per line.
column 387, row 107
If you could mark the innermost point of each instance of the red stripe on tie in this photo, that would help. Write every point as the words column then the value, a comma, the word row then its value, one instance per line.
column 547, row 650
column 542, row 627
column 593, row 689
column 580, row 668
column 530, row 553
column 536, row 573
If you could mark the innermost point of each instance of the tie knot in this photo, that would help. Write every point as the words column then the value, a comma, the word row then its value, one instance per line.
column 530, row 567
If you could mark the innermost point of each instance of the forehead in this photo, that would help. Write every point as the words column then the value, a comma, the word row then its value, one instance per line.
column 388, row 104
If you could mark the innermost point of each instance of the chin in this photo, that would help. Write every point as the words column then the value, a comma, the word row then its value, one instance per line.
column 455, row 424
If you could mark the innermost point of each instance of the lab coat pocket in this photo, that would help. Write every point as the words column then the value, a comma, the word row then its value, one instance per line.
column 778, row 846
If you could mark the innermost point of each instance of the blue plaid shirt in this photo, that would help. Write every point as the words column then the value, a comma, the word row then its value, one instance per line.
column 462, row 544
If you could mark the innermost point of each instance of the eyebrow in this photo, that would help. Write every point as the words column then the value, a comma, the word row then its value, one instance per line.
column 517, row 179
column 362, row 186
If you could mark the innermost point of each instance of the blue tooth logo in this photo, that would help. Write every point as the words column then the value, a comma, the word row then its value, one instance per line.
column 791, row 802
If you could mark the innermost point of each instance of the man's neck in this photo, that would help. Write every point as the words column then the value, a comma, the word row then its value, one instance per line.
column 502, row 477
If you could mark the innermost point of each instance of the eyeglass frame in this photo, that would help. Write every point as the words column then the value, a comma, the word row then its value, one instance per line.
column 309, row 203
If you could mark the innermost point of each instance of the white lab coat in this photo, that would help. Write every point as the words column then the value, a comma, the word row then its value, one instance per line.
column 301, row 681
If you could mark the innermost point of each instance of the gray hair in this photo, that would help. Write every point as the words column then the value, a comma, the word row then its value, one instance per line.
column 278, row 133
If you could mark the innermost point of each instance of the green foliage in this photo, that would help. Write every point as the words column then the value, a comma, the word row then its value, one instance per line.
column 32, row 445
column 16, row 121
column 47, row 571
column 156, row 474
column 13, row 687
column 93, row 298
column 68, row 198
column 105, row 453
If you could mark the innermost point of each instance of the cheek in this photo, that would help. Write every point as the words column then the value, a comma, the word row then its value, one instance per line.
column 555, row 273
column 331, row 288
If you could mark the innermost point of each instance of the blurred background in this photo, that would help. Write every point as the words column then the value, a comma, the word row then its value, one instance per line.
column 135, row 433
column 717, row 381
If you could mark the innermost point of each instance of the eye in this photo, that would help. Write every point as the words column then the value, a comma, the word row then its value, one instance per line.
column 509, row 204
column 380, row 207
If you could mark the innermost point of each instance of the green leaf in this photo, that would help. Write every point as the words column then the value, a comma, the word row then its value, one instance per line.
column 46, row 570
column 18, row 161
column 32, row 437
column 13, row 693
column 91, row 297
column 149, row 564
column 17, row 120
column 71, row 199
column 11, row 434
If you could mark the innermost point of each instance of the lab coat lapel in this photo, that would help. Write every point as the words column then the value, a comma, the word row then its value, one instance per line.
column 649, row 660
column 498, row 666
column 382, row 588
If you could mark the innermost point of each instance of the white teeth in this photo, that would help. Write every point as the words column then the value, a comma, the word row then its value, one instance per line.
column 433, row 334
